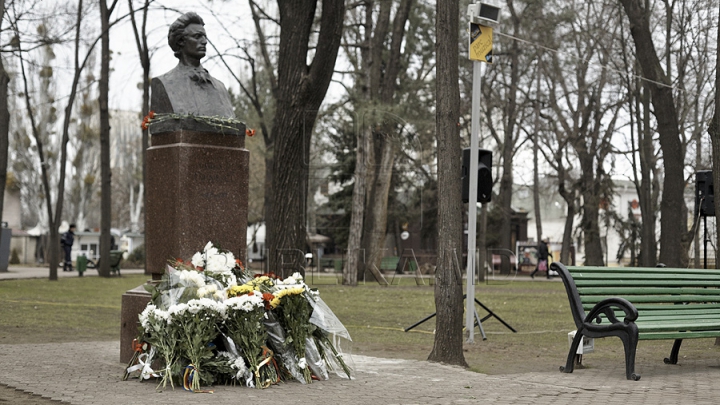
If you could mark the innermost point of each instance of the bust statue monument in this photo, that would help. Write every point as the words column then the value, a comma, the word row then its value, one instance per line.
column 188, row 89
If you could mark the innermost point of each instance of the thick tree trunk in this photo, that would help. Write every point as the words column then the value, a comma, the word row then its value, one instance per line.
column 301, row 89
column 448, row 343
column 714, row 131
column 377, row 204
column 673, row 220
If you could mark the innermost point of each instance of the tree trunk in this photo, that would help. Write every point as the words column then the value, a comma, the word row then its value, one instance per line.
column 448, row 343
column 536, row 189
column 105, row 185
column 301, row 90
column 649, row 186
column 377, row 204
column 350, row 272
column 714, row 131
column 506, row 181
column 590, row 219
column 144, row 54
column 673, row 212
column 4, row 123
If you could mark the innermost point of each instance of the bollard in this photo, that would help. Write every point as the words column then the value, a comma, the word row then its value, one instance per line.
column 81, row 264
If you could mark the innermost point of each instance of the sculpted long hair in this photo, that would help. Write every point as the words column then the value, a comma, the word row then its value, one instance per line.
column 177, row 30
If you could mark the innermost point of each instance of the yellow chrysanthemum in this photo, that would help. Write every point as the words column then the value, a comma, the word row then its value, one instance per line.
column 240, row 290
column 284, row 292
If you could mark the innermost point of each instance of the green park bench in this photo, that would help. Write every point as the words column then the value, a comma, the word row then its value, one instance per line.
column 116, row 257
column 641, row 304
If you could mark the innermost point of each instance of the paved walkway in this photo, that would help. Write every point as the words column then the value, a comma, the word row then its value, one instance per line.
column 15, row 272
column 89, row 373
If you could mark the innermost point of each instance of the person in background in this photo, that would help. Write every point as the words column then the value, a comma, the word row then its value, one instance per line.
column 67, row 240
column 542, row 259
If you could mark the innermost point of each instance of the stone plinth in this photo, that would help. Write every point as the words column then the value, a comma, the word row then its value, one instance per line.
column 133, row 303
column 197, row 191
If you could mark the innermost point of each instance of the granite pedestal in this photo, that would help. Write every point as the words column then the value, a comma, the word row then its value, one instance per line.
column 197, row 191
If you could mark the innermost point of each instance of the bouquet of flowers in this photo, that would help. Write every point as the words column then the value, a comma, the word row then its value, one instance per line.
column 294, row 313
column 197, row 322
column 244, row 326
column 209, row 321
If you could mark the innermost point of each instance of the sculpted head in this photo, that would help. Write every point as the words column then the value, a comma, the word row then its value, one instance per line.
column 187, row 38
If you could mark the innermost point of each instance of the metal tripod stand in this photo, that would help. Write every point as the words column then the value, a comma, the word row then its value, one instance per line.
column 478, row 321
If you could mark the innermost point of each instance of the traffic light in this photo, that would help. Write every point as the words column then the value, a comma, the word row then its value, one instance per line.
column 485, row 181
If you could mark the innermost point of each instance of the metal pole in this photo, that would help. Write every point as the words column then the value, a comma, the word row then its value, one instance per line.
column 705, row 242
column 472, row 205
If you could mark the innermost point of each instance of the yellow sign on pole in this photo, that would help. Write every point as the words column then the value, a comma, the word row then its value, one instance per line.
column 481, row 39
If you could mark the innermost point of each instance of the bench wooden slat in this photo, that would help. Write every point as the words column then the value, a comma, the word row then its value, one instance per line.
column 673, row 317
column 615, row 277
column 686, row 310
column 594, row 299
column 644, row 283
column 625, row 291
column 651, row 270
column 678, row 335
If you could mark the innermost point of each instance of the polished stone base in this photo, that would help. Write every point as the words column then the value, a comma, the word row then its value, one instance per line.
column 197, row 191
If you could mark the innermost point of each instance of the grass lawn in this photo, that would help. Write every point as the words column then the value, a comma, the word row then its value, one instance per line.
column 88, row 309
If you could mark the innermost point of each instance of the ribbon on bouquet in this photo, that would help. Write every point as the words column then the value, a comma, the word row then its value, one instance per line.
column 191, row 373
column 269, row 358
column 144, row 362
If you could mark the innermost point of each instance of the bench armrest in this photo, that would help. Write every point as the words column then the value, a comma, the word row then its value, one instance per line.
column 608, row 306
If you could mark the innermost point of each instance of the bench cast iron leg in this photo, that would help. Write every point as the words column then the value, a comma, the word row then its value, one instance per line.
column 630, row 340
column 570, row 364
column 674, row 352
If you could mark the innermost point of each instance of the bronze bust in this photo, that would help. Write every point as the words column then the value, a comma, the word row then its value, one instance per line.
column 188, row 89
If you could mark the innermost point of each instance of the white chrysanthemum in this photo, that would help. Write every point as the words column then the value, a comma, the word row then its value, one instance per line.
column 177, row 309
column 219, row 295
column 245, row 303
column 207, row 290
column 210, row 250
column 145, row 315
column 198, row 260
column 221, row 262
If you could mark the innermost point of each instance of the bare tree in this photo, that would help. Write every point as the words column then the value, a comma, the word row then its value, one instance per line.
column 54, row 216
column 301, row 90
column 448, row 341
column 673, row 212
